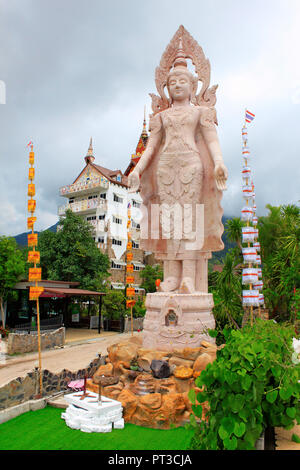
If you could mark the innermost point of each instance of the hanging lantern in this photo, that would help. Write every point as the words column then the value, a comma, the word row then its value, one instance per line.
column 258, row 285
column 247, row 192
column 249, row 276
column 30, row 222
column 261, row 299
column 246, row 172
column 244, row 134
column 249, row 255
column 129, row 256
column 157, row 283
column 254, row 207
column 256, row 246
column 258, row 259
column 130, row 303
column 129, row 246
column 31, row 158
column 31, row 205
column 250, row 297
column 247, row 234
column 31, row 174
column 130, row 291
column 247, row 213
column 255, row 220
column 33, row 257
column 129, row 279
column 129, row 268
column 35, row 292
column 32, row 239
column 31, row 189
column 35, row 274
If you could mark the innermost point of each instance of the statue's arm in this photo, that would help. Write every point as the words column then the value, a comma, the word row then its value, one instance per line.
column 210, row 136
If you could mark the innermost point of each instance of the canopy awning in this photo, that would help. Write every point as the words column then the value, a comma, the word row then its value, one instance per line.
column 65, row 292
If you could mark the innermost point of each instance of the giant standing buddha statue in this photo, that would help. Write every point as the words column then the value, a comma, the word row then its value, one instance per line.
column 181, row 176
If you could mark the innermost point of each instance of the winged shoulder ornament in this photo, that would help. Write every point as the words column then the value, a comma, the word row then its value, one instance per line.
column 206, row 96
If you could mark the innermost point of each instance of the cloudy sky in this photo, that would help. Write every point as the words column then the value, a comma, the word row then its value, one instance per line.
column 73, row 69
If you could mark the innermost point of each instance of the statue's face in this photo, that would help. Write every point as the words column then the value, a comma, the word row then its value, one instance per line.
column 179, row 87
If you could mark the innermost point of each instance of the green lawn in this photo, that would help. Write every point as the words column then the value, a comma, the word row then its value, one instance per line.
column 45, row 430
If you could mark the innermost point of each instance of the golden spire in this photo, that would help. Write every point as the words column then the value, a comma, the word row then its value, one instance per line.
column 90, row 153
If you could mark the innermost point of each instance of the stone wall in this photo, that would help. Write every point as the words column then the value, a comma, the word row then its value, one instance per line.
column 23, row 342
column 26, row 388
column 137, row 324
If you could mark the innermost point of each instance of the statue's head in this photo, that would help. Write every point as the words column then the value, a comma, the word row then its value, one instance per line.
column 181, row 83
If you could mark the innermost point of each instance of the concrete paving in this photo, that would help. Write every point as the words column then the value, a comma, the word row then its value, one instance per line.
column 82, row 347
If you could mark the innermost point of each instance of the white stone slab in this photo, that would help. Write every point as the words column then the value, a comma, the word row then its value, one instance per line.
column 89, row 415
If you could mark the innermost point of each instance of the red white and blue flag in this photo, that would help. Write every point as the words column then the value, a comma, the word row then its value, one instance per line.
column 249, row 116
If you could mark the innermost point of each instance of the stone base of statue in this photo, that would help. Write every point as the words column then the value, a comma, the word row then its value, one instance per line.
column 176, row 321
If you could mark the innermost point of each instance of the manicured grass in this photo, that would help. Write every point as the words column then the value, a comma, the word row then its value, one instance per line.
column 45, row 430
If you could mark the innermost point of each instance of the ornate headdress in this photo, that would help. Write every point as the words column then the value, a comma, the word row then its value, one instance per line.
column 183, row 46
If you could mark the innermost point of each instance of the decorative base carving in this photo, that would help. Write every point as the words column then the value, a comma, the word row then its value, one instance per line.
column 176, row 321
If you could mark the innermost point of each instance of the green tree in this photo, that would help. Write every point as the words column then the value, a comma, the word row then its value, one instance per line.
column 227, row 293
column 12, row 267
column 279, row 234
column 70, row 254
column 233, row 230
column 149, row 276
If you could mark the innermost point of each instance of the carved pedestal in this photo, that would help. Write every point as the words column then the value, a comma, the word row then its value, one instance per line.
column 177, row 321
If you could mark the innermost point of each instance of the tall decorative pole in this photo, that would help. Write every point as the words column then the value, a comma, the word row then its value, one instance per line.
column 130, row 292
column 35, row 274
column 249, row 274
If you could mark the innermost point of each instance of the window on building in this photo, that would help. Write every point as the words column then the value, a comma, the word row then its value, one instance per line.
column 119, row 178
column 102, row 217
column 116, row 242
column 100, row 239
column 135, row 225
column 135, row 245
column 103, row 195
column 92, row 217
column 118, row 199
column 137, row 267
column 115, row 265
column 93, row 197
column 117, row 220
column 136, row 204
column 71, row 200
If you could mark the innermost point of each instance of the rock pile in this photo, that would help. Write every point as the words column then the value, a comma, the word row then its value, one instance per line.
column 156, row 394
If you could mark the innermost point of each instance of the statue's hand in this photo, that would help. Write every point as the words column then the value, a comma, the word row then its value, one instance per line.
column 134, row 181
column 221, row 175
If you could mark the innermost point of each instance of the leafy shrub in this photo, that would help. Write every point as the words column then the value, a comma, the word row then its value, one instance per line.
column 253, row 384
column 114, row 304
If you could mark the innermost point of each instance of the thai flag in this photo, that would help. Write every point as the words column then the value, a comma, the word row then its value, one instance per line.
column 249, row 116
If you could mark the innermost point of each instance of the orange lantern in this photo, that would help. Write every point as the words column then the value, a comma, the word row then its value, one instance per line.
column 129, row 279
column 130, row 291
column 129, row 256
column 31, row 189
column 33, row 257
column 35, row 292
column 129, row 268
column 35, row 274
column 31, row 158
column 31, row 205
column 129, row 235
column 128, row 223
column 129, row 246
column 32, row 239
column 157, row 283
column 30, row 222
column 130, row 303
column 31, row 173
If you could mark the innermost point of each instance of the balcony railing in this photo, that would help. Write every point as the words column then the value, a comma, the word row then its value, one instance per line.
column 95, row 183
column 82, row 206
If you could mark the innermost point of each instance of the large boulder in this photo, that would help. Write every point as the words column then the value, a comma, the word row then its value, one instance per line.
column 201, row 363
column 124, row 352
column 183, row 373
column 160, row 369
column 179, row 361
